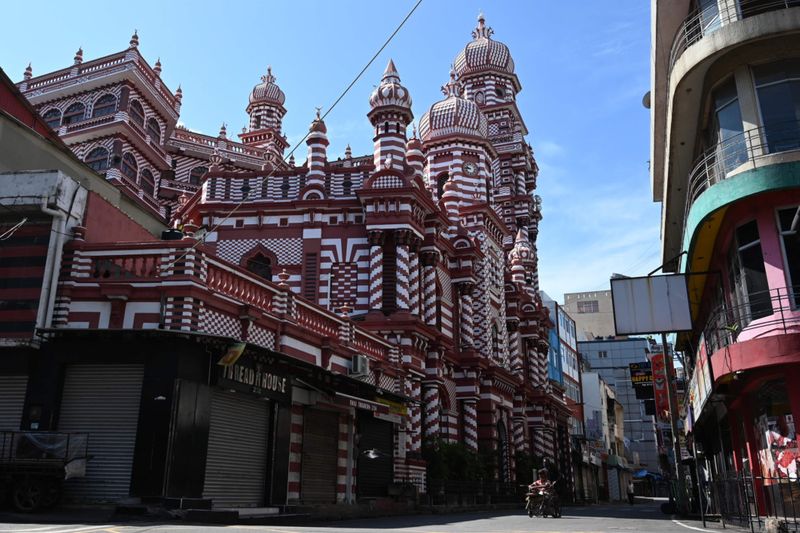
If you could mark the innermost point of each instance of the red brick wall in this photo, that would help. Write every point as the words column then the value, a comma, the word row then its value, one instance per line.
column 105, row 223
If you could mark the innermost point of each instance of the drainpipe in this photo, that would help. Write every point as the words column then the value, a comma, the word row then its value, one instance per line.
column 44, row 317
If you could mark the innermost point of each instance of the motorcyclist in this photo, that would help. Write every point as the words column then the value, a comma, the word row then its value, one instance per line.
column 542, row 483
column 546, row 488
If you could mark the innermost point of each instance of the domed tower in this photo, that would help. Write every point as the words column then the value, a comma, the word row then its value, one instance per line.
column 454, row 137
column 390, row 115
column 266, row 116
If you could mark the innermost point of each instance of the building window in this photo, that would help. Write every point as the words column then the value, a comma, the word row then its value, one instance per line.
column 791, row 249
column 105, row 105
column 589, row 306
column 53, row 118
column 196, row 175
column 285, row 187
column 778, row 89
column 74, row 113
column 602, row 354
column 347, row 187
column 257, row 123
column 147, row 182
column 260, row 265
column 154, row 130
column 98, row 159
column 129, row 166
column 748, row 277
column 136, row 112
column 441, row 181
column 726, row 131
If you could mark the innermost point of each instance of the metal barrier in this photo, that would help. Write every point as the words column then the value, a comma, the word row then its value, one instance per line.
column 750, row 501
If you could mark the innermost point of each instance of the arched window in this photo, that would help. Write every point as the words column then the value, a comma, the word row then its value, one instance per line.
column 257, row 123
column 129, row 166
column 441, row 181
column 98, row 159
column 260, row 265
column 154, row 130
column 347, row 186
column 147, row 182
column 500, row 92
column 136, row 112
column 74, row 113
column 285, row 187
column 105, row 105
column 196, row 175
column 53, row 118
column 480, row 98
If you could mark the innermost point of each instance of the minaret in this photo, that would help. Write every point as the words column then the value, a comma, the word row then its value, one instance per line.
column 266, row 116
column 317, row 142
column 390, row 115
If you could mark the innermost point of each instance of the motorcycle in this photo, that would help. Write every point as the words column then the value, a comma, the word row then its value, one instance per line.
column 542, row 500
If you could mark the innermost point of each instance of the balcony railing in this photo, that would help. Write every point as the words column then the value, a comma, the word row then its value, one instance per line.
column 749, row 147
column 705, row 22
column 765, row 313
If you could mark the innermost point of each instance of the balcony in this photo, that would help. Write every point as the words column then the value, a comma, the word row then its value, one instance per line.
column 764, row 314
column 751, row 149
column 703, row 23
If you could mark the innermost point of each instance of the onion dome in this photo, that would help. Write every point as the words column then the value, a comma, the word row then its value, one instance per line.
column 414, row 143
column 483, row 53
column 267, row 91
column 522, row 252
column 390, row 92
column 455, row 115
column 134, row 43
column 318, row 125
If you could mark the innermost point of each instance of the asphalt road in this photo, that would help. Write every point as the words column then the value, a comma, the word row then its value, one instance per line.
column 645, row 517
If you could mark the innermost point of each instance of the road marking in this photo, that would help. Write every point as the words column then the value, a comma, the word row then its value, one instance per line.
column 687, row 526
column 64, row 529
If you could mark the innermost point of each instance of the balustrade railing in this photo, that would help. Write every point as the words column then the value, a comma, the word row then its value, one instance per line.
column 225, row 280
column 749, row 147
column 705, row 22
column 775, row 311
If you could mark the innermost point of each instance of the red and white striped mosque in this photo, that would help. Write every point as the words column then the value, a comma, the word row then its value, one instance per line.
column 412, row 269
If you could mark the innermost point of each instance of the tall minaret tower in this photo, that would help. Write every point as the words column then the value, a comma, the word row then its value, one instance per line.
column 390, row 115
column 266, row 117
column 486, row 70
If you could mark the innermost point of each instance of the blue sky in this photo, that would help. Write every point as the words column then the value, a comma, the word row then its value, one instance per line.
column 583, row 65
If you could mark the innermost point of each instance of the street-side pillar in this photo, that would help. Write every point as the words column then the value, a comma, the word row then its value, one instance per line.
column 471, row 424
column 430, row 401
column 376, row 240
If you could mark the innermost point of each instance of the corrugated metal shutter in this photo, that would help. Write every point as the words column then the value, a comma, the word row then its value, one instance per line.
column 318, row 467
column 375, row 475
column 12, row 401
column 103, row 400
column 236, row 464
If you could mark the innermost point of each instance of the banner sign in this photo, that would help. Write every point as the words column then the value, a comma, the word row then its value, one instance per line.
column 700, row 385
column 642, row 379
column 255, row 374
column 660, row 384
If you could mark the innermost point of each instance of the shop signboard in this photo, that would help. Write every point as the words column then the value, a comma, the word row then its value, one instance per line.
column 660, row 384
column 700, row 384
column 256, row 374
column 641, row 379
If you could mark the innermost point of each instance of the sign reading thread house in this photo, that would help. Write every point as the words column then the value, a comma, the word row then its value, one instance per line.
column 251, row 374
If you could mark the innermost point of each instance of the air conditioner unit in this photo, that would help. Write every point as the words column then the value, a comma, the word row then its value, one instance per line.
column 360, row 366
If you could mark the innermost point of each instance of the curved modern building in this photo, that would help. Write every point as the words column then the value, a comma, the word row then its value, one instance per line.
column 725, row 165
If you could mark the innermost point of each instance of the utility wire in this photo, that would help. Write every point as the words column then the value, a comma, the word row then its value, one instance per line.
column 297, row 145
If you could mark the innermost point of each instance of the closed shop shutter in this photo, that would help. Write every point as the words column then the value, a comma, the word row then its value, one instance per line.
column 318, row 467
column 374, row 474
column 236, row 464
column 103, row 401
column 12, row 401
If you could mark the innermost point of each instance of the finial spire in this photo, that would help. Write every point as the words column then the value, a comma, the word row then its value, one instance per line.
column 453, row 87
column 319, row 110
column 390, row 74
column 28, row 72
column 348, row 153
column 268, row 77
column 157, row 67
column 79, row 56
column 223, row 131
column 482, row 31
column 134, row 39
column 179, row 93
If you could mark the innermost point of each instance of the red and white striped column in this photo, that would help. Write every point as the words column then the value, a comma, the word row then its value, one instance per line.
column 402, row 239
column 415, row 412
column 341, row 459
column 376, row 240
column 317, row 142
column 295, row 452
column 429, row 287
column 514, row 348
column 430, row 401
column 471, row 424
column 413, row 281
column 467, row 320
